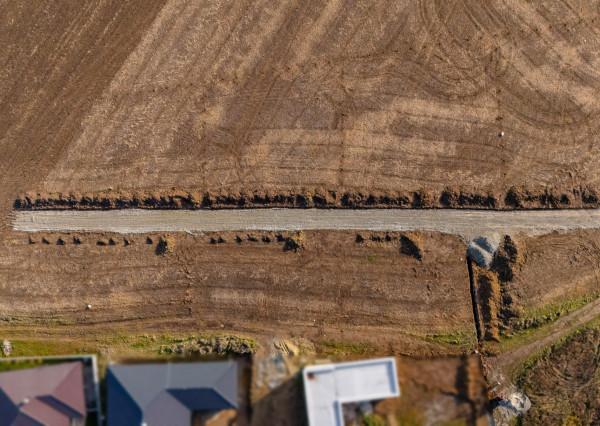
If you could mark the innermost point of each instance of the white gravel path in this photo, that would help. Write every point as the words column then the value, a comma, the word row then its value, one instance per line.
column 466, row 223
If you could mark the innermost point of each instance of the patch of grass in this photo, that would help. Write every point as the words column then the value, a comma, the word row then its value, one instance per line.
column 533, row 318
column 510, row 341
column 458, row 339
column 371, row 258
column 531, row 361
column 410, row 418
column 572, row 420
column 118, row 344
column 344, row 348
column 373, row 420
column 33, row 348
column 211, row 344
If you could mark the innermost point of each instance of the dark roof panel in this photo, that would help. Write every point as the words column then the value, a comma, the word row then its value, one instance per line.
column 178, row 388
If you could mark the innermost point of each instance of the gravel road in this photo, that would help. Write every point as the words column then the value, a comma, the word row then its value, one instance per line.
column 466, row 223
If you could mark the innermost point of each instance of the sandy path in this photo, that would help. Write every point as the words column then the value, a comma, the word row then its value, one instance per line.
column 466, row 223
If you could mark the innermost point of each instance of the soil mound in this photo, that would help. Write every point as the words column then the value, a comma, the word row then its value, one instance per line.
column 512, row 198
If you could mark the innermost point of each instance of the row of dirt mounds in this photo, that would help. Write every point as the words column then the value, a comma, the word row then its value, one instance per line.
column 165, row 243
column 513, row 198
column 325, row 287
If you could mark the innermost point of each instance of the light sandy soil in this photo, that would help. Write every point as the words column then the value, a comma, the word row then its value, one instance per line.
column 467, row 224
column 377, row 94
column 56, row 60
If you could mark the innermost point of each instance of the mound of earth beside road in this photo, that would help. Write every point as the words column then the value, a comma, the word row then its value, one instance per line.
column 511, row 199
column 333, row 289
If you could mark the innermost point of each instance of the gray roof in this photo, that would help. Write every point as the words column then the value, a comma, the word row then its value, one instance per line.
column 174, row 390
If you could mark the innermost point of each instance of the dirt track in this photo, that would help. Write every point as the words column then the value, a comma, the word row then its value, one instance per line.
column 467, row 224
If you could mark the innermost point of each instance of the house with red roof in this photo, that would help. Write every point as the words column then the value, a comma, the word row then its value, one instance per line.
column 43, row 396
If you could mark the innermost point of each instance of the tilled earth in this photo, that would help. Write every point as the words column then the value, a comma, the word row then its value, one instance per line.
column 333, row 289
column 377, row 95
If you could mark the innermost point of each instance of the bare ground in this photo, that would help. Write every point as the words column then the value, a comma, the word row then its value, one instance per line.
column 381, row 95
column 334, row 289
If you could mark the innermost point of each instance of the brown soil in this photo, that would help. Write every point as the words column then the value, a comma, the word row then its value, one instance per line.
column 439, row 391
column 57, row 59
column 305, row 198
column 487, row 297
column 358, row 98
column 536, row 272
column 564, row 385
column 334, row 289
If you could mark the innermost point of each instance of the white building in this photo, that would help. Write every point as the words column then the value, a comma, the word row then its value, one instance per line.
column 328, row 387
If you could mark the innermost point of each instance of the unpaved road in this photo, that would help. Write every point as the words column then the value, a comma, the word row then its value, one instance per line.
column 465, row 223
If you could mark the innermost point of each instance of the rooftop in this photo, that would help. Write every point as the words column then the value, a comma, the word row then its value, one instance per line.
column 328, row 387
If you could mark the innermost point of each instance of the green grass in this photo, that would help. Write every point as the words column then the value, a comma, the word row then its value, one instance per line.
column 543, row 317
column 33, row 348
column 371, row 258
column 457, row 339
column 410, row 418
column 119, row 345
column 373, row 420
column 553, row 311
column 532, row 360
column 344, row 348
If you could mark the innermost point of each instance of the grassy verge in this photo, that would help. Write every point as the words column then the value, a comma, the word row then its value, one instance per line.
column 523, row 369
column 534, row 318
column 118, row 346
column 461, row 339
column 539, row 322
column 345, row 348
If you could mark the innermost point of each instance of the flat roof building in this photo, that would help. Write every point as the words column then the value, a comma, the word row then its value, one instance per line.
column 328, row 387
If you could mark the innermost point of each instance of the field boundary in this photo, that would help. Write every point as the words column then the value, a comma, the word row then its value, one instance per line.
column 513, row 198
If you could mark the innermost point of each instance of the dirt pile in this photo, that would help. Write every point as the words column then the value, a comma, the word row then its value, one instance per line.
column 412, row 245
column 295, row 242
column 448, row 390
column 545, row 277
column 217, row 345
column 582, row 197
column 487, row 296
column 165, row 245
column 498, row 309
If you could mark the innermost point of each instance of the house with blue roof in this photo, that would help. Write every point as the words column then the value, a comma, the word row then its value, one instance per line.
column 169, row 394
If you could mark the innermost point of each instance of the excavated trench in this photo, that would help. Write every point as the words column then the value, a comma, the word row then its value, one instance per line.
column 472, row 288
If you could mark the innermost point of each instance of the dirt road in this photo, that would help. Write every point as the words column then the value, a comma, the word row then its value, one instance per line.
column 467, row 224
